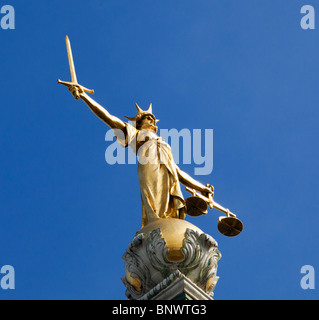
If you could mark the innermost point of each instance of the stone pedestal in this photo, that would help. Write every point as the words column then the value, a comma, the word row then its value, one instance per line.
column 171, row 259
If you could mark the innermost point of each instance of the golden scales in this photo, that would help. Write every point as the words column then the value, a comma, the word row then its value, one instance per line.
column 197, row 205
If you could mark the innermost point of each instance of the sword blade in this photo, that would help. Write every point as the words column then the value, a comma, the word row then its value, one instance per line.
column 71, row 62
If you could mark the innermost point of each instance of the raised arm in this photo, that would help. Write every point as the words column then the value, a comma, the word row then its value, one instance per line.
column 97, row 109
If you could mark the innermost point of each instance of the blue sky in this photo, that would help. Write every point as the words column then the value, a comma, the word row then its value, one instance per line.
column 243, row 68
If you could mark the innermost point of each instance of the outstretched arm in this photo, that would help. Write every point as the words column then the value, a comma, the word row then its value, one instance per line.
column 97, row 109
column 188, row 181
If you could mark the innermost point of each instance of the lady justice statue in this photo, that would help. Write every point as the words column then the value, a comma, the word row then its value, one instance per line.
column 159, row 176
column 168, row 250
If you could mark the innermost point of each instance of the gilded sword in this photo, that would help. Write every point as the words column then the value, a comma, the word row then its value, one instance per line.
column 74, row 81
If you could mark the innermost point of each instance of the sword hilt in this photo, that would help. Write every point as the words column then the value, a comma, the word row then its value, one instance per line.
column 76, row 93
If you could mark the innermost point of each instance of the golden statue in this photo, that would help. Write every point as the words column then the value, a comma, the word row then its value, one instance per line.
column 158, row 174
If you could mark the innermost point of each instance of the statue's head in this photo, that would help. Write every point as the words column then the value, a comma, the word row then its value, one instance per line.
column 144, row 119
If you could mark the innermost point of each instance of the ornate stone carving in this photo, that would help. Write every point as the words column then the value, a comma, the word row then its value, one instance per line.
column 147, row 265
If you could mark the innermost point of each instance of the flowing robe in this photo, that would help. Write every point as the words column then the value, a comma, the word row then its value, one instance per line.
column 159, row 184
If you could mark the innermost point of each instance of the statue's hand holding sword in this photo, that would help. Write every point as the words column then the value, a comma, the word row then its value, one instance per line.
column 73, row 86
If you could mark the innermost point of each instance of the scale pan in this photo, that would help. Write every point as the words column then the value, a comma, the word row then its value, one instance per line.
column 229, row 226
column 195, row 206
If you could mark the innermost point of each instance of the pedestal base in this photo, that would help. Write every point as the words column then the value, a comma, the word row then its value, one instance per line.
column 176, row 287
column 173, row 258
